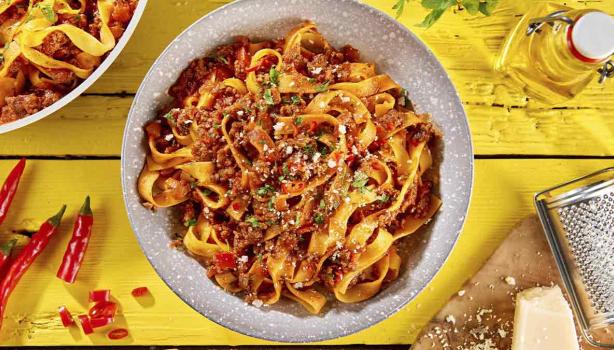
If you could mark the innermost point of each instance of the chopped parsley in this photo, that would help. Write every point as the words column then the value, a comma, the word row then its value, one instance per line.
column 218, row 57
column 259, row 257
column 309, row 150
column 298, row 120
column 298, row 218
column 262, row 191
column 285, row 170
column 318, row 219
column 169, row 116
column 49, row 14
column 272, row 203
column 268, row 97
column 322, row 204
column 360, row 181
column 191, row 222
column 252, row 220
column 383, row 198
column 295, row 100
column 273, row 76
column 206, row 191
column 311, row 80
column 322, row 87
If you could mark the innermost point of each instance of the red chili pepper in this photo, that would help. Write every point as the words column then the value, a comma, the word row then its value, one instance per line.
column 118, row 333
column 350, row 159
column 77, row 246
column 86, row 324
column 7, row 192
column 5, row 252
column 236, row 206
column 102, row 295
column 65, row 316
column 225, row 260
column 103, row 309
column 27, row 256
column 99, row 322
column 139, row 292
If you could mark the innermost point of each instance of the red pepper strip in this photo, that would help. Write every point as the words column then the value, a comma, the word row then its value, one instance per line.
column 26, row 257
column 139, row 292
column 103, row 309
column 5, row 252
column 118, row 333
column 9, row 188
column 99, row 322
column 75, row 251
column 65, row 316
column 86, row 324
column 101, row 295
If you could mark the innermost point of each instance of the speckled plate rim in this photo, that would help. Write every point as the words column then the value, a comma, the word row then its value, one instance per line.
column 97, row 73
column 128, row 183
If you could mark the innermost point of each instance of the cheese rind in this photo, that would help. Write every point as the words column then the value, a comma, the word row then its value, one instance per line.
column 543, row 321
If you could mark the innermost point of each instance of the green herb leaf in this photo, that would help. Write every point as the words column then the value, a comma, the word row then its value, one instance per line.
column 318, row 219
column 295, row 99
column 298, row 120
column 472, row 6
column 252, row 220
column 206, row 191
column 488, row 6
column 311, row 80
column 399, row 6
column 262, row 191
column 49, row 14
column 268, row 97
column 322, row 204
column 285, row 170
column 431, row 18
column 274, row 76
column 191, row 222
column 360, row 180
column 433, row 4
column 322, row 87
column 169, row 116
column 309, row 150
column 383, row 198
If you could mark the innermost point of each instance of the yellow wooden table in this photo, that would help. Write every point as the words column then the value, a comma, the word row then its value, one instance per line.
column 520, row 147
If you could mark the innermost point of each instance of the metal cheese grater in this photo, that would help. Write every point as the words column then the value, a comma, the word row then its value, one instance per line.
column 578, row 219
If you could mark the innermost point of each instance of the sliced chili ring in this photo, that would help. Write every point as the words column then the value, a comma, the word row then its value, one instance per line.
column 97, row 296
column 65, row 316
column 103, row 309
column 86, row 324
column 139, row 292
column 118, row 333
column 99, row 322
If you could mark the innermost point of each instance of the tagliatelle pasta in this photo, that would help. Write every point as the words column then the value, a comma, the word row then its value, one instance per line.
column 296, row 169
column 47, row 47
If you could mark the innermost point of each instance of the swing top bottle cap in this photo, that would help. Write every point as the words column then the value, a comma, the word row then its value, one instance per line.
column 591, row 38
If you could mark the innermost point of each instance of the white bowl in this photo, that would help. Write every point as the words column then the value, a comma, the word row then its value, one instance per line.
column 397, row 52
column 97, row 73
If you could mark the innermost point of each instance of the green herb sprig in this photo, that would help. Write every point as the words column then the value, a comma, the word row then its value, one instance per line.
column 439, row 7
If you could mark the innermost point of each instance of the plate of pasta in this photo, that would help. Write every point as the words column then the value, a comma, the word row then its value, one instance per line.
column 52, row 50
column 290, row 181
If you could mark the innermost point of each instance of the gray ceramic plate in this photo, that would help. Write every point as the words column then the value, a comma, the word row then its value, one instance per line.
column 97, row 73
column 397, row 52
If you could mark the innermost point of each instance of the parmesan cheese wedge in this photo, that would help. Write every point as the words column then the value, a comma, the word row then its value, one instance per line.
column 543, row 321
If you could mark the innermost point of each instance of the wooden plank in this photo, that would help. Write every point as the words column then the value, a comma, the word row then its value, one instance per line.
column 502, row 196
column 93, row 125
column 502, row 121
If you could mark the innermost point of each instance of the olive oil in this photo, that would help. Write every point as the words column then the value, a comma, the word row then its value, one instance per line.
column 560, row 55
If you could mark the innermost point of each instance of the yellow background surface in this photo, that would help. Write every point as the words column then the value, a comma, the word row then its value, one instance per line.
column 521, row 147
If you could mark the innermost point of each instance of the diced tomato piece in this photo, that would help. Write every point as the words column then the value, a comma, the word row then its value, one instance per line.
column 140, row 291
column 86, row 324
column 313, row 126
column 65, row 316
column 100, row 295
column 103, row 309
column 236, row 206
column 225, row 260
column 350, row 159
column 263, row 65
column 118, row 333
column 99, row 322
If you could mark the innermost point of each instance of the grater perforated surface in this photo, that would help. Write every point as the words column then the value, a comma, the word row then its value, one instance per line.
column 589, row 227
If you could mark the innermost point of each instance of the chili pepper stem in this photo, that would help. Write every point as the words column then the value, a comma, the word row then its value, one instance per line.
column 6, row 248
column 55, row 220
column 85, row 208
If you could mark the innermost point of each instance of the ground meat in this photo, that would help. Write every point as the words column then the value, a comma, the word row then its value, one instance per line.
column 20, row 106
column 246, row 235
